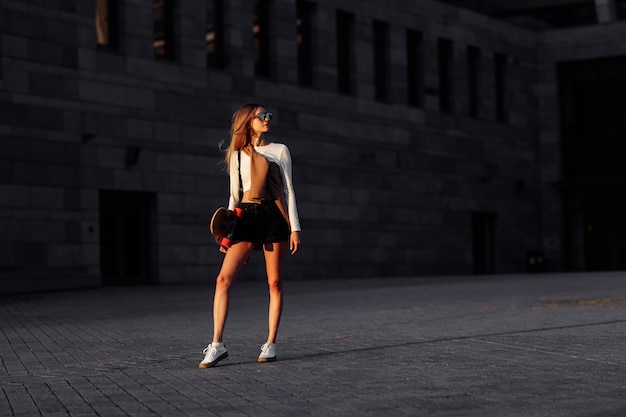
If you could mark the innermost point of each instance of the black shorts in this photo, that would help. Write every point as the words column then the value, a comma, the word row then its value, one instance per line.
column 261, row 223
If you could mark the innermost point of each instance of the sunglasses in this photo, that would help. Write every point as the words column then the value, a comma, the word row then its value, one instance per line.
column 265, row 116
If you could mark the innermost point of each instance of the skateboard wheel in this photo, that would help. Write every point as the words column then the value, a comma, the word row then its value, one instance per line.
column 226, row 242
column 238, row 212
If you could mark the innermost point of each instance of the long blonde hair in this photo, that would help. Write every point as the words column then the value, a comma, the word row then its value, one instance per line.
column 241, row 129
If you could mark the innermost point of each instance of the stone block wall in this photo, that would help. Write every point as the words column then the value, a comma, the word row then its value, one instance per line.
column 384, row 188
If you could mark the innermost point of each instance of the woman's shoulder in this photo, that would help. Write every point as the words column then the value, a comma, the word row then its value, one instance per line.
column 276, row 148
column 277, row 145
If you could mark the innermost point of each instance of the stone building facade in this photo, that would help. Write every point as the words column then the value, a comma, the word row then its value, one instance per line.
column 426, row 138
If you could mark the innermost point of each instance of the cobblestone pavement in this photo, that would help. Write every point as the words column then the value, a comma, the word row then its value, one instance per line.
column 524, row 345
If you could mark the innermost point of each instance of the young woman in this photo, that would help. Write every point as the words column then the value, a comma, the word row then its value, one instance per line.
column 270, row 221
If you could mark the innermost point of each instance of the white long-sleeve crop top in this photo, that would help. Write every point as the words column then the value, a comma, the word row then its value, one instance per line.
column 273, row 152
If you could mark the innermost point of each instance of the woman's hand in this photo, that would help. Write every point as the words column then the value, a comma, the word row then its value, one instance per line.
column 294, row 242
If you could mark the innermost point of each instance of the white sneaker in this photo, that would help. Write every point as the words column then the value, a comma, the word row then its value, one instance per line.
column 213, row 353
column 268, row 353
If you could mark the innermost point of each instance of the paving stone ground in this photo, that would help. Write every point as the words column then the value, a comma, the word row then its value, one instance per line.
column 517, row 345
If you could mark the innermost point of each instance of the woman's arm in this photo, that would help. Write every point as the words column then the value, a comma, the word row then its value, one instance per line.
column 233, row 168
column 290, row 195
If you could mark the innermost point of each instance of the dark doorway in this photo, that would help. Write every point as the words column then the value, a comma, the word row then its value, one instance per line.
column 483, row 242
column 126, row 237
column 593, row 129
column 605, row 229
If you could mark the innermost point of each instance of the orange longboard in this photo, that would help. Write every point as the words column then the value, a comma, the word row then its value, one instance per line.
column 223, row 224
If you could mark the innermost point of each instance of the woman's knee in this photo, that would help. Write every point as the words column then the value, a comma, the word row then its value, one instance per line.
column 223, row 282
column 275, row 285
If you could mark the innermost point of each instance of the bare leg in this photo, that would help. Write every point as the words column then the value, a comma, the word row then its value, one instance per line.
column 233, row 261
column 274, row 259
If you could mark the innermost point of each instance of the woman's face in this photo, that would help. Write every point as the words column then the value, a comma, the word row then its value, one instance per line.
column 261, row 126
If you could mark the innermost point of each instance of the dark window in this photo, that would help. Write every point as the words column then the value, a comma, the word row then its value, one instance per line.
column 345, row 34
column 500, row 87
column 1, row 53
column 483, row 242
column 304, row 35
column 215, row 33
column 261, row 32
column 127, row 237
column 107, row 23
column 473, row 80
column 621, row 9
column 446, row 75
column 381, row 59
column 415, row 68
column 592, row 108
column 164, row 28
